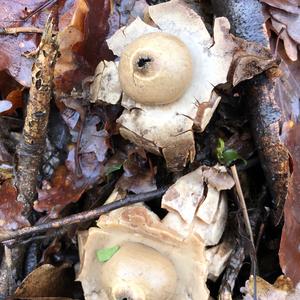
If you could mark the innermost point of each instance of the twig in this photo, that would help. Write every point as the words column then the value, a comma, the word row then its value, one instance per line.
column 231, row 273
column 242, row 202
column 246, row 221
column 83, row 216
column 31, row 147
column 17, row 30
column 39, row 9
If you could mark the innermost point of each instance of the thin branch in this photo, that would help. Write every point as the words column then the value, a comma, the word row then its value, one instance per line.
column 17, row 30
column 246, row 221
column 232, row 271
column 81, row 217
column 242, row 202
column 31, row 147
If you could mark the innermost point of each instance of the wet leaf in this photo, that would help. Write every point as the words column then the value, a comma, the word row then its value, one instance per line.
column 47, row 281
column 82, row 43
column 11, row 217
column 289, row 253
column 63, row 189
column 105, row 254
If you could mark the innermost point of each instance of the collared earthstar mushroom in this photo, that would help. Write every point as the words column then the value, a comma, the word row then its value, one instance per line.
column 152, row 262
column 166, row 75
column 157, row 259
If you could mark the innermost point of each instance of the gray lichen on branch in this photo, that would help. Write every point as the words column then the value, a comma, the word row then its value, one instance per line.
column 31, row 147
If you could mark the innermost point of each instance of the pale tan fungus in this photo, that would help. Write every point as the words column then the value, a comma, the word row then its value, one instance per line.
column 155, row 69
column 218, row 257
column 189, row 100
column 153, row 262
column 106, row 85
column 138, row 271
column 190, row 211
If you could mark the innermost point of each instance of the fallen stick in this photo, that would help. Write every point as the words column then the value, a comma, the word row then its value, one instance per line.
column 81, row 217
column 31, row 147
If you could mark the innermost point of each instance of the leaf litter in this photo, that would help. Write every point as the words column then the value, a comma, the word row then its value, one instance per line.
column 173, row 144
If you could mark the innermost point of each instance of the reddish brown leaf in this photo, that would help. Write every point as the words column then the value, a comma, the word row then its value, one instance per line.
column 47, row 281
column 12, row 47
column 82, row 43
column 10, row 209
column 289, row 253
column 15, row 98
column 63, row 189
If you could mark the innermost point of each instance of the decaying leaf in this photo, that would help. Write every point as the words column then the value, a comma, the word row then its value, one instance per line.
column 148, row 251
column 282, row 289
column 289, row 253
column 284, row 20
column 47, row 281
column 167, row 129
column 63, row 189
column 11, row 217
column 191, row 209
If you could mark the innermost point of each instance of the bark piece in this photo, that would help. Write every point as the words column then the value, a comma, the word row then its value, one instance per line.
column 32, row 145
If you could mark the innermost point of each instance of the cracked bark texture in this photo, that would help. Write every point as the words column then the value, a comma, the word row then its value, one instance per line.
column 30, row 149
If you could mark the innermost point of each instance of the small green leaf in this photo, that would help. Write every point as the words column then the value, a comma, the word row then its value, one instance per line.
column 220, row 149
column 228, row 156
column 105, row 254
column 113, row 168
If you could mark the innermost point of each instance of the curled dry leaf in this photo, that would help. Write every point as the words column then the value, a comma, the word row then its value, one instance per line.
column 181, row 96
column 11, row 217
column 282, row 289
column 289, row 252
column 191, row 209
column 285, row 21
column 47, row 281
column 12, row 48
column 63, row 189
column 81, row 42
column 148, row 251
column 82, row 27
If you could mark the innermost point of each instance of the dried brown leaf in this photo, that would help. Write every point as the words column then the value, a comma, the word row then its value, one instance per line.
column 291, row 21
column 47, row 281
column 11, row 217
column 82, row 43
column 289, row 253
column 290, row 6
column 63, row 189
